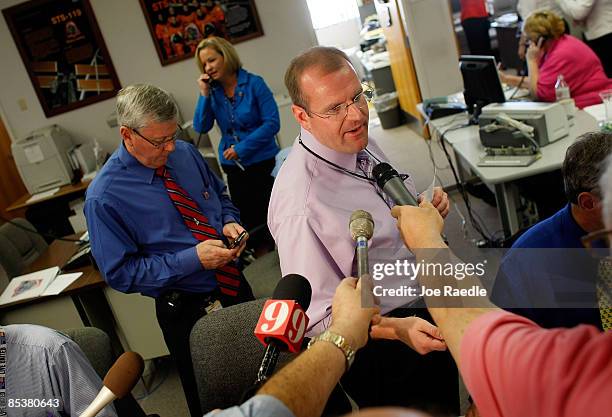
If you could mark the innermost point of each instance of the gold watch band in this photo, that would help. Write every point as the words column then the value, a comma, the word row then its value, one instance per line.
column 339, row 341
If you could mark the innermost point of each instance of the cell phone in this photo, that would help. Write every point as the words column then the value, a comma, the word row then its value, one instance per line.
column 238, row 240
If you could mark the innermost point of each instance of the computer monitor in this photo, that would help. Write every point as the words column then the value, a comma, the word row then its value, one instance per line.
column 480, row 82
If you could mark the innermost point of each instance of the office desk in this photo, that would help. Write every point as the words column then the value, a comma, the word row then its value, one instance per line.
column 468, row 151
column 65, row 191
column 50, row 215
column 128, row 319
column 82, row 304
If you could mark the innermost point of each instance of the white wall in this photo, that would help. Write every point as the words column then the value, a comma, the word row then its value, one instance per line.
column 287, row 31
column 342, row 35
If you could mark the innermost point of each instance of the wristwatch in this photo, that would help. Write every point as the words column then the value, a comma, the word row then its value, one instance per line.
column 339, row 341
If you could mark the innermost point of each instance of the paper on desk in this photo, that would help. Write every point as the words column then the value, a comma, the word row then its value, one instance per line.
column 29, row 285
column 598, row 111
column 43, row 195
column 60, row 283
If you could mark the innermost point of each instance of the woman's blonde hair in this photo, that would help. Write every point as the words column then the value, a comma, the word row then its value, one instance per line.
column 223, row 47
column 544, row 23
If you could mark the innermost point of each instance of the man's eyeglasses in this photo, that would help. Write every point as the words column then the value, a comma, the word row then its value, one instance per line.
column 341, row 110
column 158, row 144
column 597, row 239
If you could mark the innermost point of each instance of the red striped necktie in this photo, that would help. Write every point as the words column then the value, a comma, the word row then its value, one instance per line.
column 228, row 276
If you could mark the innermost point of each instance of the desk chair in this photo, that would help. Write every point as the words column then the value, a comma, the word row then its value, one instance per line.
column 18, row 247
column 96, row 346
column 226, row 354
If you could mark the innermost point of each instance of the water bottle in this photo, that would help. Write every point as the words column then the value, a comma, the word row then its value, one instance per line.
column 562, row 90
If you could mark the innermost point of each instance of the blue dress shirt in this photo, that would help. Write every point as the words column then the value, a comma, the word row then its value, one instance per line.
column 138, row 238
column 530, row 278
column 249, row 123
column 257, row 406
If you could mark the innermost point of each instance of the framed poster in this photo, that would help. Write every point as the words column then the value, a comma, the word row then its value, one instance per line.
column 64, row 54
column 178, row 26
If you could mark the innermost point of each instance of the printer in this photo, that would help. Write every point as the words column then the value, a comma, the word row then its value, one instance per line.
column 42, row 159
column 548, row 122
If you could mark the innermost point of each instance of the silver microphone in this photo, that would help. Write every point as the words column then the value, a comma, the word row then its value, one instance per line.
column 361, row 227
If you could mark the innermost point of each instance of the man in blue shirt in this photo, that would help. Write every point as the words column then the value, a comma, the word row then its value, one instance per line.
column 528, row 278
column 158, row 220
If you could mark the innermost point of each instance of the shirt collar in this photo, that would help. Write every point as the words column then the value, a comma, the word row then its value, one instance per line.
column 135, row 167
column 345, row 160
column 242, row 77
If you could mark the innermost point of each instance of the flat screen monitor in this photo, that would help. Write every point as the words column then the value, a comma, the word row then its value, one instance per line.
column 480, row 82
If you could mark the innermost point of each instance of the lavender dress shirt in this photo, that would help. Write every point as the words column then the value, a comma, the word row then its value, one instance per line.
column 308, row 217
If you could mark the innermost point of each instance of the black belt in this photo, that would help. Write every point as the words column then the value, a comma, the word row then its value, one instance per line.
column 175, row 300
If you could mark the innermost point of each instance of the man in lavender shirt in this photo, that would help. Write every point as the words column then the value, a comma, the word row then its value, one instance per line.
column 324, row 179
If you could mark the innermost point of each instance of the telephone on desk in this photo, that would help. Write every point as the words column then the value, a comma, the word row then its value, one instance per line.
column 81, row 258
column 437, row 110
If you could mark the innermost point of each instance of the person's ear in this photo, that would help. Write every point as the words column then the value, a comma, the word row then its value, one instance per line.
column 301, row 116
column 588, row 201
column 126, row 135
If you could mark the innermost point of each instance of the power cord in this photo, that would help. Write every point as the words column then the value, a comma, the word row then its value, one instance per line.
column 482, row 230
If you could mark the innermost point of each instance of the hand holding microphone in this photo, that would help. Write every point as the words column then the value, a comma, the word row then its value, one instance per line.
column 420, row 227
column 392, row 184
column 349, row 318
column 118, row 382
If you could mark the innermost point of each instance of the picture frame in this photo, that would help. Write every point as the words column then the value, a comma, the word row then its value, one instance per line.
column 178, row 26
column 64, row 54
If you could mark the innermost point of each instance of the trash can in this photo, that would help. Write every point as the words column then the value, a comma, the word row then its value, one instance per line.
column 388, row 110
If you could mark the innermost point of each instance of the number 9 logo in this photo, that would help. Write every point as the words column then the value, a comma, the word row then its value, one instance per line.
column 276, row 313
column 298, row 322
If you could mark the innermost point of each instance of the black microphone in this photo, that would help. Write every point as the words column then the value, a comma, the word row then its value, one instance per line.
column 282, row 325
column 361, row 227
column 391, row 183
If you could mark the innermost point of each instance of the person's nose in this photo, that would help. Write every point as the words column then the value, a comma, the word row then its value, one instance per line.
column 354, row 112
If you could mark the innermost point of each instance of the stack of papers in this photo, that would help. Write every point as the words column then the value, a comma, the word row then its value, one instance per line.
column 37, row 284
column 42, row 196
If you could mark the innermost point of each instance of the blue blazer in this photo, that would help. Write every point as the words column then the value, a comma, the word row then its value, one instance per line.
column 249, row 123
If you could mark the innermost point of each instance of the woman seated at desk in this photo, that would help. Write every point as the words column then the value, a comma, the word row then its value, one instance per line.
column 551, row 53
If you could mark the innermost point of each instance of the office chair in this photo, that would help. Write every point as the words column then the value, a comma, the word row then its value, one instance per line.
column 226, row 354
column 18, row 247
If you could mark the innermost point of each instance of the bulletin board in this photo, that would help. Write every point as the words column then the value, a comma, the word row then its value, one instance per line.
column 63, row 53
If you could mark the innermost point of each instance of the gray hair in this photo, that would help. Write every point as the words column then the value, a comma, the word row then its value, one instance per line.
column 140, row 104
column 605, row 185
column 583, row 164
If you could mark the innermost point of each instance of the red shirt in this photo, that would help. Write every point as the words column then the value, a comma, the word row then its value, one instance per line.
column 580, row 67
column 513, row 367
column 473, row 8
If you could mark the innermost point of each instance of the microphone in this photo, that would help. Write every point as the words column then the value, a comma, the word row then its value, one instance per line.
column 361, row 227
column 118, row 382
column 283, row 321
column 389, row 180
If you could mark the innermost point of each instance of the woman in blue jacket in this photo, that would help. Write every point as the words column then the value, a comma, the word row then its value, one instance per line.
column 245, row 110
